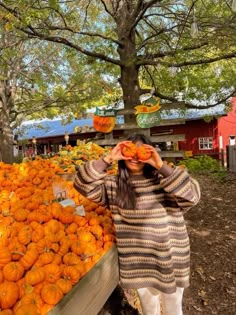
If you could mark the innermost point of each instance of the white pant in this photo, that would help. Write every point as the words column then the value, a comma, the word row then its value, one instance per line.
column 154, row 302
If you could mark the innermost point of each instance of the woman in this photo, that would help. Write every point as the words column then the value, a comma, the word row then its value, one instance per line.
column 147, row 200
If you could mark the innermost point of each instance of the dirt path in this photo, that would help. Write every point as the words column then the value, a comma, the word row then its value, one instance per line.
column 212, row 230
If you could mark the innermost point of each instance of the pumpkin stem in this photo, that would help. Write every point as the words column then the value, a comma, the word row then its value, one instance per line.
column 19, row 253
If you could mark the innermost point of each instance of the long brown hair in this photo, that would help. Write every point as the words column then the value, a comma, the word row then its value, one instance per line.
column 125, row 197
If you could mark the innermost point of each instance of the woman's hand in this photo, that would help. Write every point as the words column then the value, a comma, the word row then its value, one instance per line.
column 155, row 159
column 116, row 153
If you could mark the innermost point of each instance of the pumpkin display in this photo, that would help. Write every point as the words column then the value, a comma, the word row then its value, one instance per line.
column 46, row 248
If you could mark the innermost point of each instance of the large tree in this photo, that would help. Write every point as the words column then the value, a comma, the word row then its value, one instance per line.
column 178, row 47
column 38, row 79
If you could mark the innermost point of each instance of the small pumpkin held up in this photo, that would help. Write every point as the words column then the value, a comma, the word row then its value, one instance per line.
column 131, row 150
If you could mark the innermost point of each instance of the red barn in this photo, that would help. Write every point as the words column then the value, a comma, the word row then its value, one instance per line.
column 227, row 128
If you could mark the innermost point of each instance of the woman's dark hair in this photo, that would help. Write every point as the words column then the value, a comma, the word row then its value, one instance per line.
column 125, row 197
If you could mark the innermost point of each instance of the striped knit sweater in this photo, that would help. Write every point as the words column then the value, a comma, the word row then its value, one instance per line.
column 152, row 240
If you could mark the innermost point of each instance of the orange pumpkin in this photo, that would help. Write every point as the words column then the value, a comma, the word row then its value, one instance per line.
column 13, row 271
column 46, row 308
column 6, row 312
column 17, row 249
column 37, row 234
column 21, row 214
column 32, row 298
column 35, row 275
column 96, row 230
column 24, row 235
column 143, row 153
column 52, row 272
column 29, row 258
column 9, row 293
column 1, row 276
column 71, row 259
column 51, row 293
column 45, row 258
column 66, row 217
column 129, row 150
column 27, row 309
column 64, row 284
column 71, row 273
column 5, row 256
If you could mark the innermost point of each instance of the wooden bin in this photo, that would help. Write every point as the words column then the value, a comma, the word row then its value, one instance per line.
column 89, row 295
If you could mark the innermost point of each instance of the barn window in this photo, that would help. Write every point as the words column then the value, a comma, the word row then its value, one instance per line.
column 205, row 143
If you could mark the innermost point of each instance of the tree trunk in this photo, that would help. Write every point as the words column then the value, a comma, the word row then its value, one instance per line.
column 129, row 80
column 6, row 133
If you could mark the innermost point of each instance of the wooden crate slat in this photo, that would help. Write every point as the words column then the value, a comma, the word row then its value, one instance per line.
column 89, row 295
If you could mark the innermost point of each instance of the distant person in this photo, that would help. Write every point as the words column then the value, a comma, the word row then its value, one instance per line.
column 147, row 200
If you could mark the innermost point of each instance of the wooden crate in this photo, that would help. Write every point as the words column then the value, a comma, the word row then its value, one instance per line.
column 89, row 295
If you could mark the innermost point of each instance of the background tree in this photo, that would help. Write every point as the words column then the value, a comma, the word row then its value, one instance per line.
column 185, row 47
column 39, row 80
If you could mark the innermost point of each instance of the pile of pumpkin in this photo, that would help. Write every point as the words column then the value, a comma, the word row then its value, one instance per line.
column 68, row 158
column 45, row 247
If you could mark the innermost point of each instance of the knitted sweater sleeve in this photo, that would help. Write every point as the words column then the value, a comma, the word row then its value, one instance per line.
column 89, row 181
column 182, row 188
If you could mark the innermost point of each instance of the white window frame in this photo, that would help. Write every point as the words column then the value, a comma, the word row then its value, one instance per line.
column 205, row 143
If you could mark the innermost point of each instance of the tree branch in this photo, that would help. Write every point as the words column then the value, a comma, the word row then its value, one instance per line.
column 187, row 63
column 106, row 8
column 57, row 39
column 143, row 8
column 173, row 52
column 32, row 32
column 186, row 104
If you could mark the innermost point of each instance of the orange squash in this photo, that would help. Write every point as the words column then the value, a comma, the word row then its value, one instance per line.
column 6, row 312
column 52, row 272
column 51, row 293
column 71, row 273
column 9, row 293
column 35, row 275
column 143, row 154
column 129, row 150
column 64, row 284
column 32, row 298
column 13, row 271
column 24, row 235
column 29, row 258
column 5, row 256
column 27, row 309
